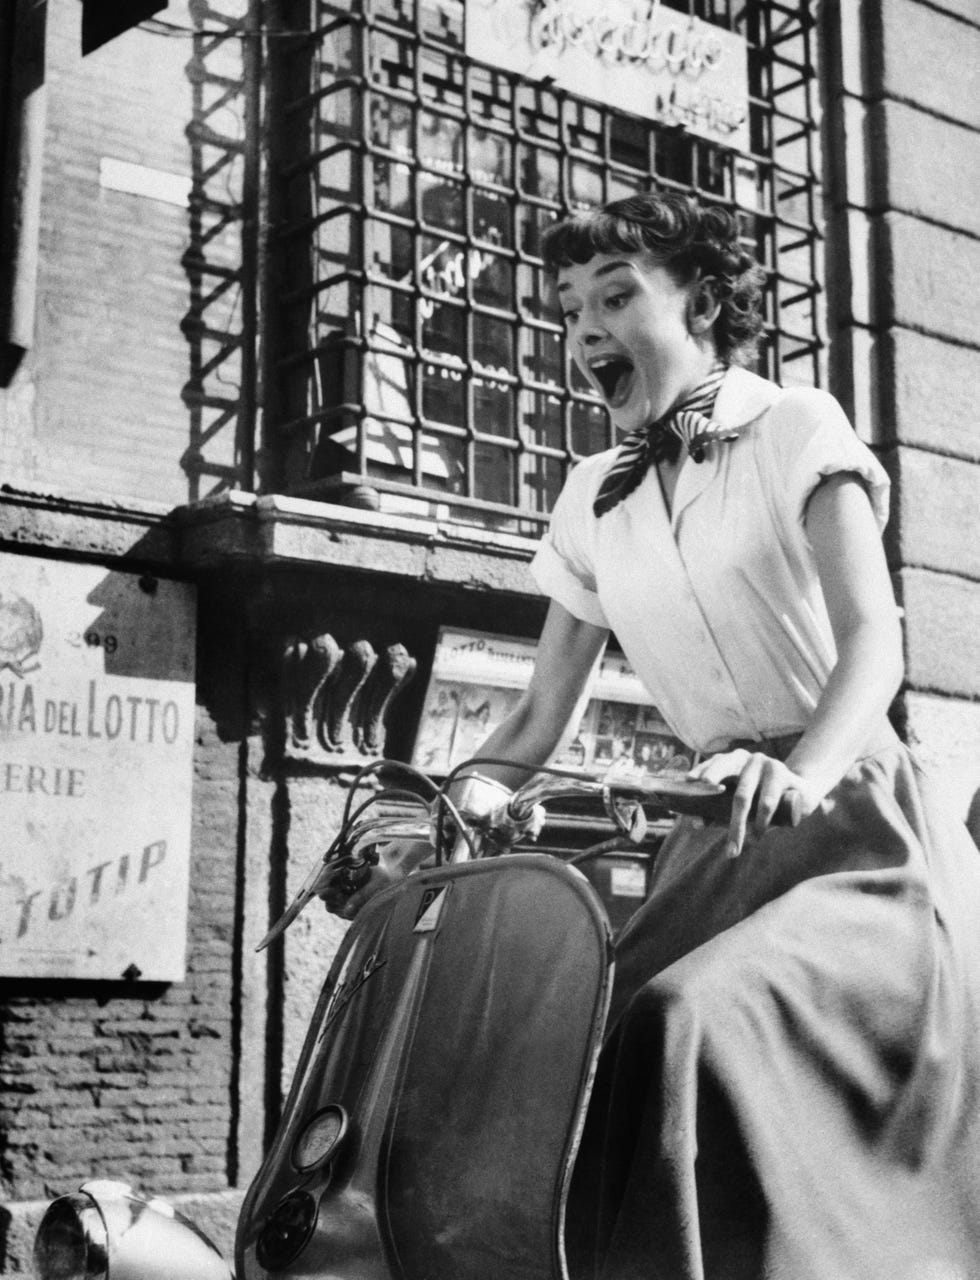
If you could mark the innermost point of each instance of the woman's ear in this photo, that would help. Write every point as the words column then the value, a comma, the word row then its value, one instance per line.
column 702, row 305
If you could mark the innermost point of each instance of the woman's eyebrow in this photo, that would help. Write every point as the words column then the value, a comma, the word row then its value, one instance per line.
column 607, row 267
column 599, row 272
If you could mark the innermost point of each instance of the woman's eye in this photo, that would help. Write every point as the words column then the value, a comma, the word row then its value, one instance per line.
column 617, row 300
column 569, row 317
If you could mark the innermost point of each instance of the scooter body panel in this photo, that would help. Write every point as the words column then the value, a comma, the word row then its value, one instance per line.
column 436, row 1109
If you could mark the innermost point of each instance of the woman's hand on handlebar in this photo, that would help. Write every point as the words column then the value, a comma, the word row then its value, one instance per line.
column 396, row 860
column 762, row 785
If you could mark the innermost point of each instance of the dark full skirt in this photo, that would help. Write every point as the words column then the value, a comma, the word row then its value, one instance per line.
column 790, row 1087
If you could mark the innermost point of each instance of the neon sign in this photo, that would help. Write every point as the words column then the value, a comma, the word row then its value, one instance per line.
column 633, row 55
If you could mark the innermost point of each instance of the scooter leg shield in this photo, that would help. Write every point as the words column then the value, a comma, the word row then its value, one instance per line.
column 436, row 1109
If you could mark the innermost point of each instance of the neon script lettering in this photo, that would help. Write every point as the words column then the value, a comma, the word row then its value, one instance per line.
column 633, row 32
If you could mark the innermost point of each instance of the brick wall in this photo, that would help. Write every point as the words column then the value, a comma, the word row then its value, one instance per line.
column 109, row 400
column 146, row 1082
column 904, row 162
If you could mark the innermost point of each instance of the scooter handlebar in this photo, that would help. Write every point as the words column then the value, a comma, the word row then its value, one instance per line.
column 670, row 793
column 667, row 794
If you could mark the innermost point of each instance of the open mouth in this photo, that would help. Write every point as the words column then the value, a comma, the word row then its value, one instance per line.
column 614, row 375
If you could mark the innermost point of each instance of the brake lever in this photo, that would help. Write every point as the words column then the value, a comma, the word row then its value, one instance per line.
column 628, row 815
column 360, row 857
column 319, row 879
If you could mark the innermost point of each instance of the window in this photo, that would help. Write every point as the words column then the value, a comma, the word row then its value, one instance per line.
column 416, row 349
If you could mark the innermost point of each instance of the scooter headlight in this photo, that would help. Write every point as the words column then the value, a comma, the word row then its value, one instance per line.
column 106, row 1232
column 72, row 1242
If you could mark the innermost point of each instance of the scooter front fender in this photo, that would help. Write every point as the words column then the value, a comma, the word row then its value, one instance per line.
column 435, row 1113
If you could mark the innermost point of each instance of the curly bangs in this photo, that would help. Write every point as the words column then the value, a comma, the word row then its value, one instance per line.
column 685, row 237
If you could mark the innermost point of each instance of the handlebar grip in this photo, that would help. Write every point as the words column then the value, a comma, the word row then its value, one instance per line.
column 719, row 809
column 693, row 797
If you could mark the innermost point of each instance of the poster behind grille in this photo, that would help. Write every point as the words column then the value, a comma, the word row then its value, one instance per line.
column 477, row 679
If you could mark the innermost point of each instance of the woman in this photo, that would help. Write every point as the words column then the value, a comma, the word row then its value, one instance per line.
column 790, row 1085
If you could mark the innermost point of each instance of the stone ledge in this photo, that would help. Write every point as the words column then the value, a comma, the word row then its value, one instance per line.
column 240, row 528
column 83, row 524
column 248, row 532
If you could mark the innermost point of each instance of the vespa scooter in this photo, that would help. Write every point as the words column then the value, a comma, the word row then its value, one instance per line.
column 438, row 1102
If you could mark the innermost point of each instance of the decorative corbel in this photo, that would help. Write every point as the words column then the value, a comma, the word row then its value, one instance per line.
column 336, row 701
column 336, row 729
column 391, row 673
column 307, row 667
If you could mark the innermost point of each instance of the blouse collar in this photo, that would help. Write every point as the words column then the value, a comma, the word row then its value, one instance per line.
column 743, row 396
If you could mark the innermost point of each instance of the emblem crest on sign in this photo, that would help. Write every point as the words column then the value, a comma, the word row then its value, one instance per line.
column 21, row 633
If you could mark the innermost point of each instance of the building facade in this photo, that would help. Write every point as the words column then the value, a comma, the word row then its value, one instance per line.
column 283, row 403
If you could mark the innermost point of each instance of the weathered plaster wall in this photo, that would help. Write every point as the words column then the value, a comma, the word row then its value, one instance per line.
column 903, row 98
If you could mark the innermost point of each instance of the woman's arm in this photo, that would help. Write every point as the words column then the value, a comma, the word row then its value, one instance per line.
column 566, row 652
column 864, row 619
column 857, row 589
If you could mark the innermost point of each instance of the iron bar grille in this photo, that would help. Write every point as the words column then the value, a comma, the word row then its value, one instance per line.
column 419, row 352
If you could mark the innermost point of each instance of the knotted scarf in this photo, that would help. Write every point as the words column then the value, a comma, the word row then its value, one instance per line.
column 688, row 423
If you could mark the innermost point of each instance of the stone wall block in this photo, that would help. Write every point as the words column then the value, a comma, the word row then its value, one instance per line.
column 315, row 806
column 921, row 275
column 928, row 394
column 936, row 515
column 942, row 623
column 945, row 735
column 929, row 57
column 966, row 9
column 919, row 161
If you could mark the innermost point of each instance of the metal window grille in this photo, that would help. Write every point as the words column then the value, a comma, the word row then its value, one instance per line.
column 417, row 351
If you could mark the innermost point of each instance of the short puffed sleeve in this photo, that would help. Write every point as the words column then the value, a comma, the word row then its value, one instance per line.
column 563, row 566
column 811, row 439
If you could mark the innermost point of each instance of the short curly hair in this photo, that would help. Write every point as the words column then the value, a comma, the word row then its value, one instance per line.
column 689, row 239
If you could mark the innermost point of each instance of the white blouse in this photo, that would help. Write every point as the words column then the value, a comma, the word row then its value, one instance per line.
column 717, row 606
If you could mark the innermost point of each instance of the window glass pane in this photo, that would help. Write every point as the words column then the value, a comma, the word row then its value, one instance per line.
column 441, row 202
column 543, row 419
column 392, row 125
column 494, row 408
column 493, row 344
column 443, row 394
column 490, row 158
column 392, row 187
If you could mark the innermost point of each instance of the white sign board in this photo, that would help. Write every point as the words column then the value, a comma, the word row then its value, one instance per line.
column 96, row 742
column 634, row 55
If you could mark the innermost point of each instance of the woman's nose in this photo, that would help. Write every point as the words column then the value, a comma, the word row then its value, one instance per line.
column 591, row 329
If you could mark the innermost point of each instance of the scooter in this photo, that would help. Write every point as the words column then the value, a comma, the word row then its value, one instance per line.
column 438, row 1103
